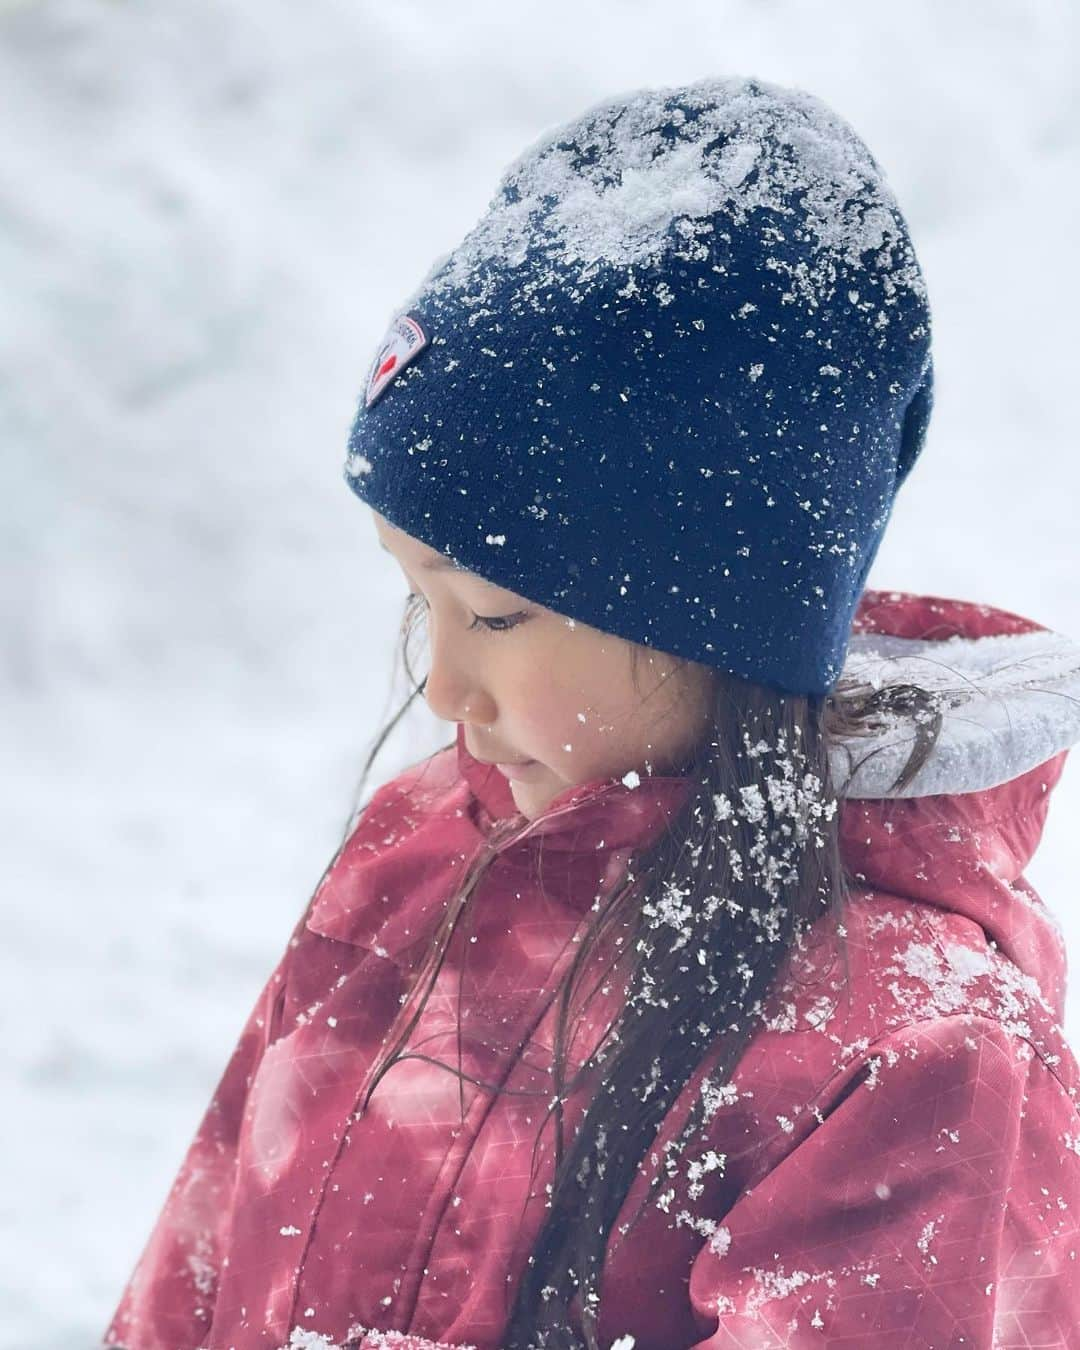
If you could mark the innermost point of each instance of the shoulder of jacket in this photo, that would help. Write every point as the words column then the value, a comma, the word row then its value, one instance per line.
column 892, row 965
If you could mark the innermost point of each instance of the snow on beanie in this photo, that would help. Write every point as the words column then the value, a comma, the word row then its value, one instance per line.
column 670, row 383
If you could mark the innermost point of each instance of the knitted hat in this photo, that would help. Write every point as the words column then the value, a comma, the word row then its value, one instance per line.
column 671, row 381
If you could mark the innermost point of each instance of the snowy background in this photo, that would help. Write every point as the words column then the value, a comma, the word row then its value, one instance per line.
column 208, row 210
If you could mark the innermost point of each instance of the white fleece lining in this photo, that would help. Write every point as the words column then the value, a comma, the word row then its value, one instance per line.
column 1014, row 701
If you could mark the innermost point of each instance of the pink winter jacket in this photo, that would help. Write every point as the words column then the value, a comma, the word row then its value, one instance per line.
column 897, row 1156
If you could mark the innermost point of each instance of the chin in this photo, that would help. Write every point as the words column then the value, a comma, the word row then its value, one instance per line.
column 529, row 800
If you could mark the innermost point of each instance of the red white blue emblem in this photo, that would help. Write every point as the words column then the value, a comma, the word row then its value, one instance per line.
column 403, row 343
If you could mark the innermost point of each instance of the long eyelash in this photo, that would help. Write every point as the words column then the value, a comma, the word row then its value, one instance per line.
column 496, row 624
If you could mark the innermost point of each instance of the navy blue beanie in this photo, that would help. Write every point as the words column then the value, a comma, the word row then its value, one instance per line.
column 670, row 382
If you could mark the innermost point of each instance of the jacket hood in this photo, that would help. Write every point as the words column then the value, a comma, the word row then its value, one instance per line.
column 1009, row 691
column 961, row 834
column 957, row 837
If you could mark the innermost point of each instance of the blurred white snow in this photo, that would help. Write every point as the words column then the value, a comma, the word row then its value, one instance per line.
column 207, row 213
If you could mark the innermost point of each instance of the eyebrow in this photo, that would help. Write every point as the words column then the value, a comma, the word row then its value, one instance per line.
column 441, row 564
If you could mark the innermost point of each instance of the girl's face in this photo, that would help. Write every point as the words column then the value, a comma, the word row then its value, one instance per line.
column 549, row 697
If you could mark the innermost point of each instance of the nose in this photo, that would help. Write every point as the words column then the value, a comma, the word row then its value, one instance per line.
column 453, row 689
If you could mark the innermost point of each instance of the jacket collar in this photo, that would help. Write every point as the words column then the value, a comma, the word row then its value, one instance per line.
column 394, row 876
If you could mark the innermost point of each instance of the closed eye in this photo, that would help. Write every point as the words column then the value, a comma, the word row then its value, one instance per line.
column 501, row 623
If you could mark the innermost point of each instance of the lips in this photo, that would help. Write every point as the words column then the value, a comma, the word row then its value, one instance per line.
column 502, row 763
column 506, row 763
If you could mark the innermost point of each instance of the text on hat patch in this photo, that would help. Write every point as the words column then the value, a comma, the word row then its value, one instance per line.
column 404, row 341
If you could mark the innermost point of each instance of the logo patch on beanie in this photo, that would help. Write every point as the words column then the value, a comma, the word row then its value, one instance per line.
column 403, row 343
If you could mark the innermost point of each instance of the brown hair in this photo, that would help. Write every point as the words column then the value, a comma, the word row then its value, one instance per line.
column 718, row 903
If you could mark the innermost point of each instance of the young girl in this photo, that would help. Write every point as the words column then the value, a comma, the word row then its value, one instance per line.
column 694, row 996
